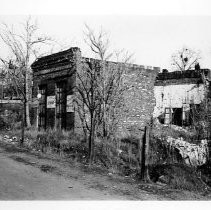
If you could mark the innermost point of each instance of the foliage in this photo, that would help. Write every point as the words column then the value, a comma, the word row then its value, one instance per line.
column 178, row 176
column 160, row 152
column 9, row 119
column 161, row 131
column 205, row 171
column 110, row 155
column 167, row 165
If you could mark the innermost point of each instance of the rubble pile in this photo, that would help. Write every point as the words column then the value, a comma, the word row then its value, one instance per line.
column 12, row 140
column 193, row 154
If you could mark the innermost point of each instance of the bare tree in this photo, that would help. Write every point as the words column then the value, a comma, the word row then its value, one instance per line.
column 110, row 78
column 88, row 101
column 185, row 59
column 24, row 48
column 100, row 89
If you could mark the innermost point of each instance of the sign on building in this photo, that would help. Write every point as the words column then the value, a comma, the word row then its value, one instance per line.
column 70, row 106
column 51, row 102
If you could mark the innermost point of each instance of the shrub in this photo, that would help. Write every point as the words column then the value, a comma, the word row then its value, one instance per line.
column 205, row 171
column 117, row 155
column 178, row 176
column 160, row 152
column 9, row 119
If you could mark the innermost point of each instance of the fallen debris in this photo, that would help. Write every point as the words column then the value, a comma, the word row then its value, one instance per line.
column 192, row 154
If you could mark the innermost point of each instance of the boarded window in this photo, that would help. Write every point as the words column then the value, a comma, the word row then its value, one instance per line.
column 61, row 105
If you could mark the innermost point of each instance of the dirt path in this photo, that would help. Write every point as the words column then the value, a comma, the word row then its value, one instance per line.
column 24, row 182
column 28, row 175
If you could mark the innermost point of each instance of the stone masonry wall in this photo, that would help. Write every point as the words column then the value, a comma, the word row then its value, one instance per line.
column 139, row 81
column 139, row 98
column 49, row 70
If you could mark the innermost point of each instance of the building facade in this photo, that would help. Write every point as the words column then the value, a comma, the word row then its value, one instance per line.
column 54, row 81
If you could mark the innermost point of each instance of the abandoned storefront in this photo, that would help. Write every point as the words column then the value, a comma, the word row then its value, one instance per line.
column 179, row 94
column 53, row 85
column 54, row 88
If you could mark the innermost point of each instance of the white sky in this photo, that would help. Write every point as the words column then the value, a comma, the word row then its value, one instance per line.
column 152, row 30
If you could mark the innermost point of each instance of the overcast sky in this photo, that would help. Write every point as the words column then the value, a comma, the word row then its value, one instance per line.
column 152, row 38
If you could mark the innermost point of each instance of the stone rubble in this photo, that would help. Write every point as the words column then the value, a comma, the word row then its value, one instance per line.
column 12, row 140
column 193, row 154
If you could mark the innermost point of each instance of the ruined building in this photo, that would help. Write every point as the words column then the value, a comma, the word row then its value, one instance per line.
column 179, row 93
column 183, row 99
column 54, row 78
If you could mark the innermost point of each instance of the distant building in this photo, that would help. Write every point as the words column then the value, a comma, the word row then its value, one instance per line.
column 177, row 93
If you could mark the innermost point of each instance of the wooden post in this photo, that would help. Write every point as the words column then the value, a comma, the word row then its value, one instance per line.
column 141, row 156
column 147, row 136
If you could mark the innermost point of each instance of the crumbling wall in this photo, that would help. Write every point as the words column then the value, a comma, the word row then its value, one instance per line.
column 193, row 155
column 176, row 95
column 180, row 88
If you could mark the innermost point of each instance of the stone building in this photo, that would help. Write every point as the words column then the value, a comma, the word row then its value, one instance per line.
column 54, row 78
column 178, row 93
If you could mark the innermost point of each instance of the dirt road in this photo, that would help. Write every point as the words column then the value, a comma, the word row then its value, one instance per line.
column 24, row 182
column 28, row 175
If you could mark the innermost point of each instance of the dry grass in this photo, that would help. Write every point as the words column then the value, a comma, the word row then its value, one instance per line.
column 178, row 176
column 107, row 156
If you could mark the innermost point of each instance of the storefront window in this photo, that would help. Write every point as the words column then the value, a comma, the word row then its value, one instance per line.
column 61, row 105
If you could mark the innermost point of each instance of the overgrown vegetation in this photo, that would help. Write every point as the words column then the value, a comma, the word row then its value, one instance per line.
column 168, row 166
column 116, row 157
column 178, row 176
column 99, row 98
column 110, row 154
column 9, row 119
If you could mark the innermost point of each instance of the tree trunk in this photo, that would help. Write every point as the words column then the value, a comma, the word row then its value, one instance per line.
column 28, row 123
column 27, row 92
column 23, row 124
column 27, row 97
column 91, row 140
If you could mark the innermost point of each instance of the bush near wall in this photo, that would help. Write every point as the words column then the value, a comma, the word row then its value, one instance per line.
column 9, row 119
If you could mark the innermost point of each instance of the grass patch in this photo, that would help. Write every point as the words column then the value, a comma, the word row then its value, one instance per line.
column 178, row 176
